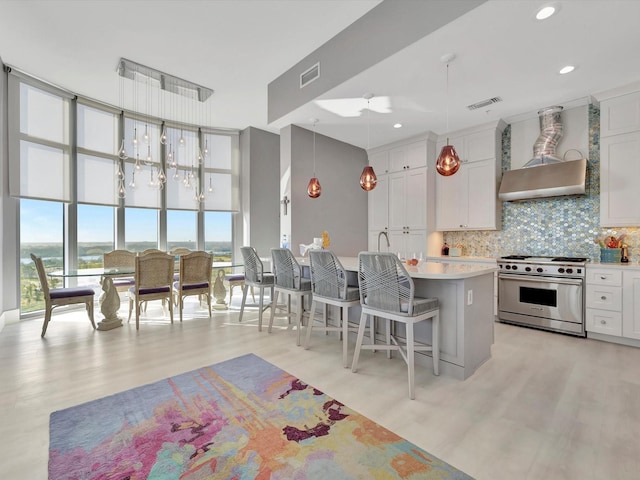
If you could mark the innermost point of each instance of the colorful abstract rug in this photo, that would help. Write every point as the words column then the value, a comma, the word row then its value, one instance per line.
column 240, row 419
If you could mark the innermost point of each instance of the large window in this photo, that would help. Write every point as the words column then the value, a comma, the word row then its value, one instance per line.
column 95, row 234
column 141, row 229
column 65, row 156
column 41, row 233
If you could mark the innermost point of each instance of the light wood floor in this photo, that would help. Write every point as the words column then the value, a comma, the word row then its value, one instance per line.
column 546, row 406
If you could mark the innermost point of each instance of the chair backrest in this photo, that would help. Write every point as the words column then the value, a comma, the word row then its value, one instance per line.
column 286, row 269
column 119, row 258
column 42, row 275
column 384, row 283
column 195, row 268
column 328, row 277
column 180, row 251
column 150, row 250
column 253, row 268
column 155, row 269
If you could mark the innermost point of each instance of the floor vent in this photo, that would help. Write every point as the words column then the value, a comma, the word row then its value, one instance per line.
column 484, row 103
column 310, row 75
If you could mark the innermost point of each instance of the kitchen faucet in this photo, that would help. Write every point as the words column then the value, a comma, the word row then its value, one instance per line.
column 385, row 236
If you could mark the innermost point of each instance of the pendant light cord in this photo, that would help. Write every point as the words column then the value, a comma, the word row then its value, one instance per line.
column 314, row 148
column 447, row 103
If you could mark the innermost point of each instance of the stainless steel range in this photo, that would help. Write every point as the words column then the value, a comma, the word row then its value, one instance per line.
column 542, row 292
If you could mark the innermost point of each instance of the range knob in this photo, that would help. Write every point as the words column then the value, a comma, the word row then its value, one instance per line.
column 508, row 267
column 539, row 269
column 569, row 270
column 561, row 270
column 527, row 269
column 515, row 267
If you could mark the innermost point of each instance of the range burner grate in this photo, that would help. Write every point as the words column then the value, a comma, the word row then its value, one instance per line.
column 569, row 259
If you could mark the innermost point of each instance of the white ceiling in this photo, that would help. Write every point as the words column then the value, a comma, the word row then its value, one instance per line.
column 237, row 47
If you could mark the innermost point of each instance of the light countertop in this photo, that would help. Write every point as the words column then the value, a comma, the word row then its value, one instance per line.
column 429, row 269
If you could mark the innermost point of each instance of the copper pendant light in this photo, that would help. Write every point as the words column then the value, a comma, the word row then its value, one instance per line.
column 314, row 189
column 448, row 161
column 368, row 179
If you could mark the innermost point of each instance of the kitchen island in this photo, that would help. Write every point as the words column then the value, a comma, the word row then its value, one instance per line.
column 465, row 293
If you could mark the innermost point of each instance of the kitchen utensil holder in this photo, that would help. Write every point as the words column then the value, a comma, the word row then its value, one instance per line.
column 610, row 255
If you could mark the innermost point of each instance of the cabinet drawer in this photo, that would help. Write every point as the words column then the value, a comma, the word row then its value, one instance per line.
column 604, row 321
column 604, row 297
column 604, row 276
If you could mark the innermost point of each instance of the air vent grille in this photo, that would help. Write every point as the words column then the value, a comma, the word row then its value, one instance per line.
column 484, row 103
column 310, row 75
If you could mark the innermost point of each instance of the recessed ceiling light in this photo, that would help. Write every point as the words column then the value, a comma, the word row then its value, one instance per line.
column 545, row 12
column 567, row 69
column 397, row 125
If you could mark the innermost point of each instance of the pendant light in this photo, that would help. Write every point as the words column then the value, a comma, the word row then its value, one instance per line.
column 368, row 179
column 314, row 189
column 448, row 161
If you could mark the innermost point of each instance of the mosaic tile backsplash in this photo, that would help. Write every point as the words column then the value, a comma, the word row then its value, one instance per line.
column 562, row 226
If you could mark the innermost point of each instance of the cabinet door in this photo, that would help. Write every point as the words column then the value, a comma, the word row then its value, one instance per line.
column 603, row 321
column 619, row 180
column 380, row 162
column 480, row 146
column 379, row 205
column 482, row 201
column 451, row 201
column 398, row 159
column 631, row 304
column 417, row 154
column 415, row 241
column 620, row 115
column 397, row 200
column 416, row 199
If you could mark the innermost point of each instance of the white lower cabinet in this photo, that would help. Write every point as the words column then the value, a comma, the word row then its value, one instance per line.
column 631, row 304
column 603, row 299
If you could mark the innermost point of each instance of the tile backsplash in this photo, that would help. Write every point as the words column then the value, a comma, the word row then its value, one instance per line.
column 561, row 226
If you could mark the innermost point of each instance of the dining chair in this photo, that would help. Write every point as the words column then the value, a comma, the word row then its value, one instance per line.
column 255, row 277
column 387, row 291
column 153, row 281
column 180, row 251
column 150, row 250
column 55, row 297
column 329, row 286
column 288, row 280
column 194, row 278
column 121, row 259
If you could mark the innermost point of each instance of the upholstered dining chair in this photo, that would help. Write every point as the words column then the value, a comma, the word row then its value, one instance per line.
column 121, row 259
column 55, row 297
column 255, row 277
column 329, row 286
column 288, row 280
column 194, row 279
column 153, row 281
column 387, row 291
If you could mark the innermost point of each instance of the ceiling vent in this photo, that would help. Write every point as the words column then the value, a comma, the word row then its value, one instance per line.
column 484, row 103
column 310, row 75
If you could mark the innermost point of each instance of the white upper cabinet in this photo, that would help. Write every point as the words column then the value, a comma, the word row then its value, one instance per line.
column 379, row 205
column 380, row 162
column 620, row 115
column 409, row 156
column 619, row 161
column 468, row 200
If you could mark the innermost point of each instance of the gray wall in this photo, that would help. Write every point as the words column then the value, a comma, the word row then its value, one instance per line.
column 260, row 172
column 341, row 209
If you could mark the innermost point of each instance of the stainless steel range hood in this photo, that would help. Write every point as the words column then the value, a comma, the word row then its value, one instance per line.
column 545, row 175
column 544, row 180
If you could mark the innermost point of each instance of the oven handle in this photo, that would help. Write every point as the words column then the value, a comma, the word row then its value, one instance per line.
column 537, row 279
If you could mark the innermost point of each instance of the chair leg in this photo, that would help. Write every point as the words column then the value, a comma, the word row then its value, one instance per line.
column 90, row 313
column 273, row 310
column 435, row 343
column 47, row 318
column 171, row 311
column 310, row 324
column 130, row 308
column 138, row 315
column 181, row 306
column 244, row 300
column 388, row 336
column 253, row 296
column 410, row 360
column 299, row 311
column 209, row 303
column 361, row 329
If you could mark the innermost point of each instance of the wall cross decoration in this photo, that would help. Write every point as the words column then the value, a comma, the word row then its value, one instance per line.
column 285, row 201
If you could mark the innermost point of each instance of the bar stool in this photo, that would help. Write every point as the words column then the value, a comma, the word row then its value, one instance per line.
column 254, row 276
column 329, row 287
column 387, row 291
column 289, row 281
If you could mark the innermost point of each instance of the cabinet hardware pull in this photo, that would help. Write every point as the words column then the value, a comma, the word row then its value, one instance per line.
column 603, row 298
column 603, row 322
column 602, row 277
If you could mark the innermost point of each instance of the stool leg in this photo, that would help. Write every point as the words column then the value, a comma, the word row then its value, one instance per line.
column 260, row 309
column 435, row 343
column 388, row 336
column 310, row 325
column 361, row 329
column 244, row 300
column 273, row 310
column 410, row 358
column 344, row 319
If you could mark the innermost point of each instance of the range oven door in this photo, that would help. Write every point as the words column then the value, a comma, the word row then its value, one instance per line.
column 543, row 302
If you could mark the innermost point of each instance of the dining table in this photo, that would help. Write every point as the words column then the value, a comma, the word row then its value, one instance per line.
column 109, row 298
